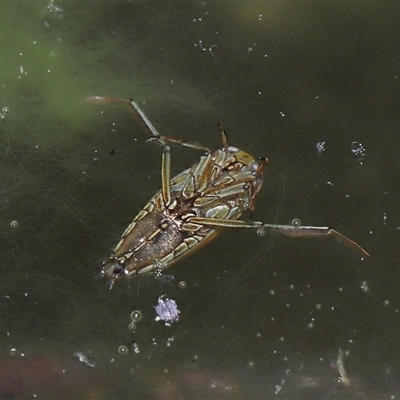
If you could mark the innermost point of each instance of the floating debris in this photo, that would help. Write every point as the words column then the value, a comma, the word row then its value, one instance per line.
column 167, row 310
column 344, row 378
column 320, row 146
column 358, row 150
column 164, row 278
column 85, row 359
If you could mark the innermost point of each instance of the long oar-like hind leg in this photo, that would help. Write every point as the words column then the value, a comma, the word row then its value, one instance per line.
column 308, row 231
column 289, row 230
column 135, row 110
column 154, row 135
column 145, row 123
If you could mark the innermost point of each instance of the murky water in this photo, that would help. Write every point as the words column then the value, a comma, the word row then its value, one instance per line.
column 312, row 87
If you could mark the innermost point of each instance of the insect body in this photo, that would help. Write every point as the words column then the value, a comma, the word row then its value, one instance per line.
column 192, row 207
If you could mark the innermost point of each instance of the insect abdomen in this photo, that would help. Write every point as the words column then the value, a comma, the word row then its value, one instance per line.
column 147, row 240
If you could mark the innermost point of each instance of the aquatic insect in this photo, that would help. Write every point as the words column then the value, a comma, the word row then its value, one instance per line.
column 193, row 206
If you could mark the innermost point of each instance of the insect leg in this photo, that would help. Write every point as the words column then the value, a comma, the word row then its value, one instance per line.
column 166, row 176
column 224, row 135
column 184, row 143
column 137, row 112
column 289, row 230
column 145, row 123
column 226, row 223
column 306, row 231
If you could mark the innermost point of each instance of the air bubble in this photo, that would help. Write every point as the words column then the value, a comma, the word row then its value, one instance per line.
column 132, row 326
column 296, row 222
column 310, row 325
column 386, row 303
column 158, row 268
column 123, row 350
column 261, row 232
column 5, row 110
column 2, row 117
column 160, row 265
column 14, row 224
column 364, row 287
column 182, row 284
column 318, row 306
column 135, row 348
column 136, row 316
column 272, row 292
column 251, row 365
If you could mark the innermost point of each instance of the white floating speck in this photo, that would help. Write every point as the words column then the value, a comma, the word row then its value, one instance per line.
column 167, row 310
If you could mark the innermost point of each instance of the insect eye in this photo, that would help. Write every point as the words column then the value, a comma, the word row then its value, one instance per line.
column 114, row 269
column 117, row 270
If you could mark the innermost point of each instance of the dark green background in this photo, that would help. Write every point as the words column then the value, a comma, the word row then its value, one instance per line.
column 282, row 77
